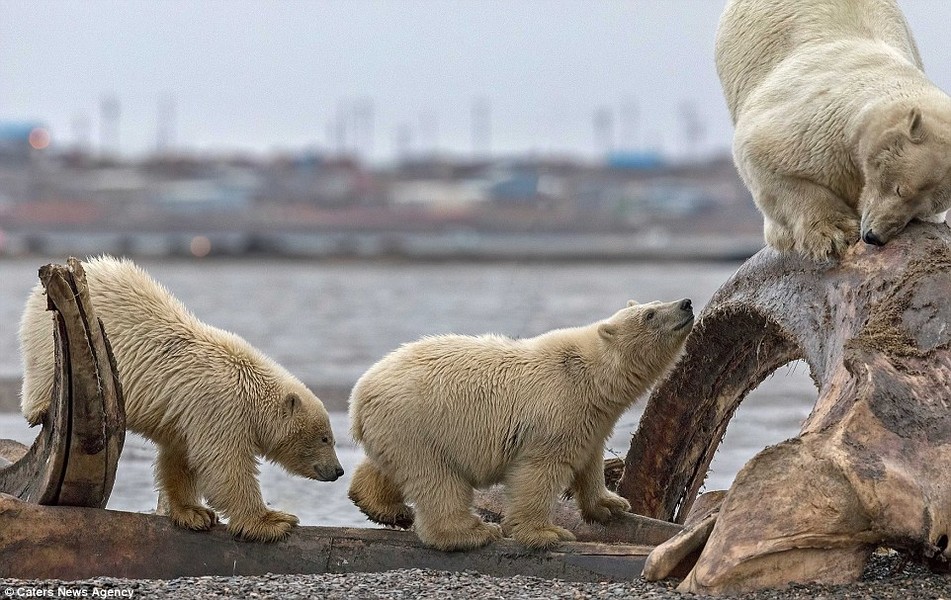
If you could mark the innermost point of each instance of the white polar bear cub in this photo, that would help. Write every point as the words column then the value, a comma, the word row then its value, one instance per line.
column 445, row 414
column 210, row 401
column 838, row 130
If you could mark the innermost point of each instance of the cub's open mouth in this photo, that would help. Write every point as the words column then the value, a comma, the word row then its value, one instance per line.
column 684, row 323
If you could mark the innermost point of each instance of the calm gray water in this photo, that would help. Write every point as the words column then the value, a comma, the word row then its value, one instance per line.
column 328, row 322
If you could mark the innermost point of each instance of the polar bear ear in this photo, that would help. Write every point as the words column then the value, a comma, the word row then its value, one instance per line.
column 607, row 331
column 631, row 303
column 291, row 404
column 916, row 129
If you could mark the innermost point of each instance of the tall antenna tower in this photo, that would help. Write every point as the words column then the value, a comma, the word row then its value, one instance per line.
column 603, row 124
column 82, row 136
column 109, row 112
column 629, row 124
column 363, row 127
column 165, row 126
column 481, row 127
column 694, row 129
column 429, row 131
column 341, row 129
column 404, row 141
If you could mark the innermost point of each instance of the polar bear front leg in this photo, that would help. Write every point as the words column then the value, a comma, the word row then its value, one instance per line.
column 533, row 487
column 818, row 224
column 176, row 481
column 778, row 235
column 595, row 501
column 823, row 225
column 799, row 213
column 230, row 485
column 941, row 217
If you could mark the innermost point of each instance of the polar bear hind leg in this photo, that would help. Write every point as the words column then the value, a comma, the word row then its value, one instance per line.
column 176, row 482
column 444, row 518
column 378, row 497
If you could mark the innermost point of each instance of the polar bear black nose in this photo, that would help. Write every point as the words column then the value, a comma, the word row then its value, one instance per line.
column 871, row 238
column 685, row 304
column 339, row 472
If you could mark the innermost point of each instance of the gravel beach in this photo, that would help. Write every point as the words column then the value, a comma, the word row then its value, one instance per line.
column 885, row 578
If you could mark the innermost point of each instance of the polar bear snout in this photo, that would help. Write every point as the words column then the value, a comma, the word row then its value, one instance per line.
column 324, row 464
column 869, row 237
column 328, row 473
column 879, row 224
column 685, row 306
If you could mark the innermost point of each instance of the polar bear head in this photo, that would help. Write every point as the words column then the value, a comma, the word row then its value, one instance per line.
column 648, row 336
column 300, row 438
column 907, row 174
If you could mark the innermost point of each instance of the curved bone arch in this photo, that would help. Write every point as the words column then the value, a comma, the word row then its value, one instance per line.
column 73, row 460
column 872, row 463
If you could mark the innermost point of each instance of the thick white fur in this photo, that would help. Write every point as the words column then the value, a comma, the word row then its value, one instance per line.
column 838, row 130
column 446, row 414
column 210, row 401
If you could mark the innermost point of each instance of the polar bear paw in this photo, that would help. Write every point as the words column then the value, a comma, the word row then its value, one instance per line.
column 825, row 239
column 490, row 532
column 544, row 536
column 269, row 526
column 196, row 518
column 462, row 538
column 35, row 415
column 400, row 516
column 605, row 508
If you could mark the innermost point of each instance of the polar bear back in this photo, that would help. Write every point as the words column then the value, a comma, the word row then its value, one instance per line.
column 755, row 36
column 484, row 399
column 168, row 360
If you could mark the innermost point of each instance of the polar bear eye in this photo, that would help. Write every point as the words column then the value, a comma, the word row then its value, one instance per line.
column 898, row 191
column 325, row 440
column 649, row 315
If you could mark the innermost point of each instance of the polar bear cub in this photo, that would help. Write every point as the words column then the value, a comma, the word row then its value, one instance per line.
column 210, row 401
column 446, row 414
column 838, row 132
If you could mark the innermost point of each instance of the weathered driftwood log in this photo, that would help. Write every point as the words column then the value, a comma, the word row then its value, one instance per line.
column 872, row 463
column 629, row 528
column 73, row 460
column 626, row 529
column 137, row 545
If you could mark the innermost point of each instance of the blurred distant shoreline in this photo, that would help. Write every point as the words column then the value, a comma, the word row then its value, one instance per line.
column 455, row 245
column 629, row 206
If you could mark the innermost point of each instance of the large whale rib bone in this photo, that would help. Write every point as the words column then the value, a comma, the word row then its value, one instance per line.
column 872, row 463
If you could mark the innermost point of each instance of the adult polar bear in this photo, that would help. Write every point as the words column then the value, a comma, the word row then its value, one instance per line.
column 837, row 127
column 448, row 413
column 210, row 401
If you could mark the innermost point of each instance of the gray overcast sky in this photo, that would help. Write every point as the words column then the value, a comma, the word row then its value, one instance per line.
column 265, row 76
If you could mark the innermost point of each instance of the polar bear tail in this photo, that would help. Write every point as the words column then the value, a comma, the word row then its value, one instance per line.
column 356, row 425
